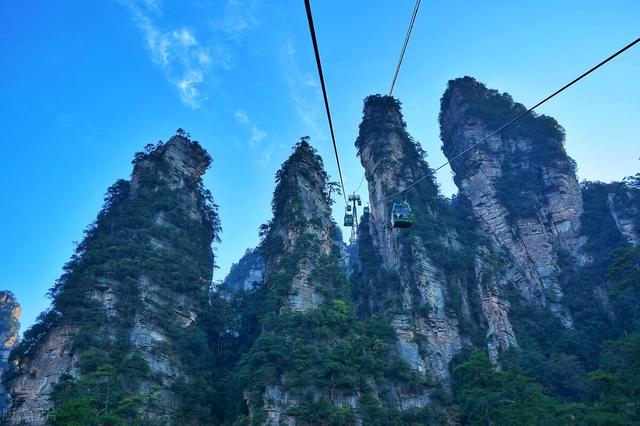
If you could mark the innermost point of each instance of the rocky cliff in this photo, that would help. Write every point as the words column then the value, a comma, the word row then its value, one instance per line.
column 440, row 281
column 314, row 358
column 244, row 275
column 9, row 334
column 133, row 289
column 521, row 185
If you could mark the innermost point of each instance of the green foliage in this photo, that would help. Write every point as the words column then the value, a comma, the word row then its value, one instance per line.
column 618, row 381
column 519, row 188
column 625, row 270
column 508, row 397
column 105, row 394
column 150, row 235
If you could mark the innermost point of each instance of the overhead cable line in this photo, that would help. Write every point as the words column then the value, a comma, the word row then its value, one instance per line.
column 324, row 93
column 519, row 116
column 404, row 45
column 402, row 52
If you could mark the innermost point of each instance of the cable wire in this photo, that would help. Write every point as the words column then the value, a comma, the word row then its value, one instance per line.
column 312, row 30
column 519, row 116
column 404, row 45
column 402, row 52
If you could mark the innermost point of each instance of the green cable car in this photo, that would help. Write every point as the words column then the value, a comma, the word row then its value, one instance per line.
column 348, row 218
column 366, row 210
column 401, row 215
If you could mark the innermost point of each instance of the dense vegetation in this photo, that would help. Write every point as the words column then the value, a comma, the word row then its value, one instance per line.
column 520, row 186
column 117, row 254
column 336, row 360
column 321, row 356
column 444, row 231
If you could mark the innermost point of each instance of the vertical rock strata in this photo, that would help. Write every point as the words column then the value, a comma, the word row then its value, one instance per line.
column 9, row 334
column 136, row 283
column 521, row 184
column 439, row 268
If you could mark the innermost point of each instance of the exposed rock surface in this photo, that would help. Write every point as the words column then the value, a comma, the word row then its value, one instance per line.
column 246, row 274
column 302, row 229
column 9, row 334
column 526, row 164
column 146, row 297
column 436, row 299
column 301, row 209
column 625, row 211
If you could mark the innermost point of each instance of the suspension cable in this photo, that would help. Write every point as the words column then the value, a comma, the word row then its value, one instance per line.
column 402, row 52
column 404, row 45
column 519, row 116
column 312, row 30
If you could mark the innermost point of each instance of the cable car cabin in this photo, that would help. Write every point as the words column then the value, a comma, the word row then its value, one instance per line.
column 365, row 210
column 401, row 215
column 349, row 207
column 348, row 220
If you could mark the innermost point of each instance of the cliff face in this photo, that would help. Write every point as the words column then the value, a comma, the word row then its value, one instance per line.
column 244, row 275
column 313, row 358
column 521, row 185
column 9, row 334
column 445, row 276
column 134, row 287
column 301, row 222
column 300, row 236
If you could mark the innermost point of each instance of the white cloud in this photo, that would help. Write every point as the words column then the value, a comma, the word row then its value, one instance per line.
column 241, row 117
column 184, row 37
column 239, row 17
column 304, row 92
column 257, row 136
column 175, row 50
column 186, row 61
column 189, row 93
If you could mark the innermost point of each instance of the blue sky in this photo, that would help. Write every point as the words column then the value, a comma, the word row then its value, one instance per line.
column 86, row 84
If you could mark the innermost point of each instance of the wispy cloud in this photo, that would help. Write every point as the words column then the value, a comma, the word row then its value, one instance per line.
column 240, row 16
column 256, row 135
column 303, row 90
column 241, row 117
column 186, row 61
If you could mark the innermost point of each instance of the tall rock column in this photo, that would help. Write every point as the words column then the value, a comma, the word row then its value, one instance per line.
column 430, row 264
column 133, row 289
column 9, row 335
column 521, row 184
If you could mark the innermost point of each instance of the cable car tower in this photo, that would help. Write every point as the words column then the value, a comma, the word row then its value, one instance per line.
column 351, row 216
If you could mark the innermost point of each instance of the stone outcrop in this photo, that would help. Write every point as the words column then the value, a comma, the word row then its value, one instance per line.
column 301, row 208
column 435, row 298
column 244, row 275
column 9, row 334
column 302, row 229
column 527, row 165
column 147, row 298
column 625, row 212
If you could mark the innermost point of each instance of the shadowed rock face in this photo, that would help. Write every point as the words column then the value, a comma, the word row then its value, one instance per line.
column 521, row 185
column 159, row 209
column 244, row 275
column 9, row 334
column 436, row 299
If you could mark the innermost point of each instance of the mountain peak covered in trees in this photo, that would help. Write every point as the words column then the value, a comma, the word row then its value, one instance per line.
column 513, row 302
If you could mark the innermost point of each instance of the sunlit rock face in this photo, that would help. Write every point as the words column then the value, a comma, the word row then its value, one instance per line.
column 521, row 184
column 441, row 307
column 9, row 335
column 142, row 273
